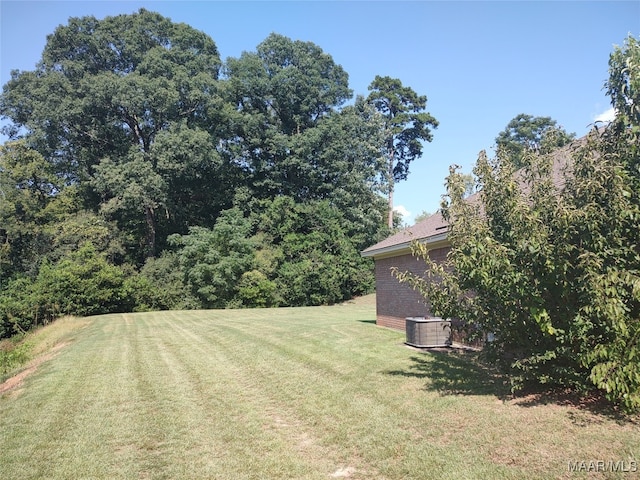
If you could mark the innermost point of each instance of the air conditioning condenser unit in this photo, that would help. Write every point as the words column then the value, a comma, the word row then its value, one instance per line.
column 426, row 332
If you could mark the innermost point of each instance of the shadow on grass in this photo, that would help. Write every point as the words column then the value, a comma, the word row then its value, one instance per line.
column 594, row 403
column 453, row 372
column 373, row 322
column 457, row 372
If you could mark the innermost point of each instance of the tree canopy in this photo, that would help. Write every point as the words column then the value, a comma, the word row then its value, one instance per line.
column 103, row 93
column 406, row 126
column 526, row 134
column 133, row 142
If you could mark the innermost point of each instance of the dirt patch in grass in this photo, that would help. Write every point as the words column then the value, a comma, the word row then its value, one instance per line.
column 15, row 381
column 344, row 472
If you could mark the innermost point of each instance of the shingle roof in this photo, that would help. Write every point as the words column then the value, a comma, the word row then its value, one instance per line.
column 435, row 228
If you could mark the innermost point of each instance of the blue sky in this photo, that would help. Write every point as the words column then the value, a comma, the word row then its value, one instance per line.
column 479, row 63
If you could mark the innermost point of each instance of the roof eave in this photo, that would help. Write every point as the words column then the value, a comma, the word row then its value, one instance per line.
column 435, row 241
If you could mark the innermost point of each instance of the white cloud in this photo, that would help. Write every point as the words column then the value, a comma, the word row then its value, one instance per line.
column 402, row 210
column 607, row 116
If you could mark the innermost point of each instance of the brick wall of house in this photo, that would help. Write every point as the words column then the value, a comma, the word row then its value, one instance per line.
column 394, row 300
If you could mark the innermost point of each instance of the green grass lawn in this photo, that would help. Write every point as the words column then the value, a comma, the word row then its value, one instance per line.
column 304, row 393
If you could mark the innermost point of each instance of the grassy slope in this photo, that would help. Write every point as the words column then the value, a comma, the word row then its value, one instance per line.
column 290, row 393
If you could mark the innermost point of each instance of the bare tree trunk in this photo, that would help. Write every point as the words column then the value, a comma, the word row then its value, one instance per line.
column 151, row 231
column 391, row 187
column 390, row 216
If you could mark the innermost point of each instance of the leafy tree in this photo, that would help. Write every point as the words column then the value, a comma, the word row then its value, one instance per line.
column 70, row 230
column 28, row 185
column 407, row 125
column 316, row 261
column 161, row 285
column 339, row 160
column 554, row 272
column 102, row 94
column 214, row 260
column 18, row 310
column 612, row 246
column 526, row 134
column 281, row 91
column 256, row 290
column 41, row 218
column 291, row 140
column 288, row 83
column 132, row 192
column 84, row 283
column 196, row 175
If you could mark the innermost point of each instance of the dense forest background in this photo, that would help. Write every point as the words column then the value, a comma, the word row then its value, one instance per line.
column 143, row 172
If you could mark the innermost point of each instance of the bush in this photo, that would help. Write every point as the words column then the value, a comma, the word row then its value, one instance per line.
column 83, row 283
column 160, row 285
column 256, row 290
column 214, row 260
column 317, row 262
column 554, row 272
column 13, row 354
column 19, row 311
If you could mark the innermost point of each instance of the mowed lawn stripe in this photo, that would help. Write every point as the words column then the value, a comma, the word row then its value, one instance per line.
column 318, row 376
column 75, row 402
column 305, row 393
column 260, row 438
column 267, row 382
column 212, row 426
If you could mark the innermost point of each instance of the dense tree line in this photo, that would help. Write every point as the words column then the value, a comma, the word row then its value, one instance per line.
column 143, row 172
column 548, row 261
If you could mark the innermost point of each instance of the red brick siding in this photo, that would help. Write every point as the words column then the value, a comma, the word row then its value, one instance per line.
column 396, row 323
column 394, row 300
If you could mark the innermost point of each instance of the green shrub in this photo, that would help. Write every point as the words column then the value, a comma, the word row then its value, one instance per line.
column 19, row 311
column 83, row 283
column 554, row 273
column 256, row 290
column 13, row 354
